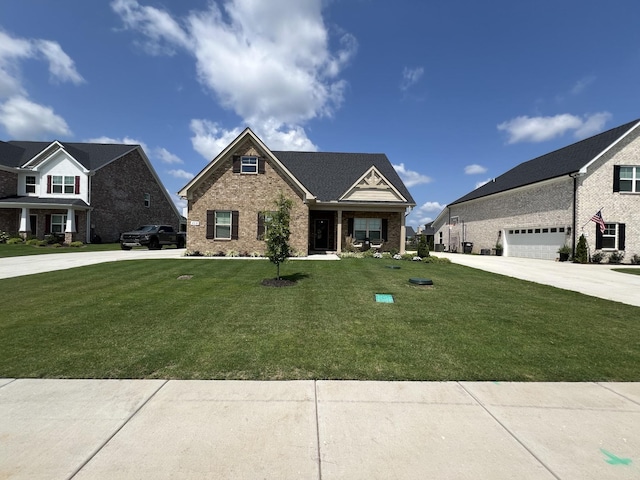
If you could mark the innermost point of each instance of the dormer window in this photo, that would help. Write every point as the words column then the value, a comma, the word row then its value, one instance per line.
column 249, row 165
column 30, row 184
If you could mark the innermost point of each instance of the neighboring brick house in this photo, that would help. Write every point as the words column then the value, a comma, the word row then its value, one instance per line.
column 82, row 191
column 540, row 205
column 335, row 196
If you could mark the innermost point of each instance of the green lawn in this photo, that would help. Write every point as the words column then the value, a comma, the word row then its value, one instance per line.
column 632, row 271
column 136, row 319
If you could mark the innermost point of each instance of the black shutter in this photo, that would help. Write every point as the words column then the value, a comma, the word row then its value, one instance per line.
column 76, row 220
column 77, row 185
column 598, row 237
column 261, row 165
column 260, row 235
column 350, row 227
column 621, row 234
column 47, row 224
column 48, row 183
column 236, row 164
column 385, row 229
column 616, row 178
column 234, row 224
column 211, row 223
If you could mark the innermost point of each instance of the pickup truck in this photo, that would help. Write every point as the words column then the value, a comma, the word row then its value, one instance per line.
column 152, row 236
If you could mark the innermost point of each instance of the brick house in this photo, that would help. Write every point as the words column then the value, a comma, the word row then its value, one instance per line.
column 544, row 203
column 82, row 191
column 335, row 196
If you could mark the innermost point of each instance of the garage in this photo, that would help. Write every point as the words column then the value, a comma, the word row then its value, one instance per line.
column 540, row 242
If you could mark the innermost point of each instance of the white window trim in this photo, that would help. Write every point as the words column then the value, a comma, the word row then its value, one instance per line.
column 27, row 184
column 63, row 185
column 64, row 223
column 147, row 200
column 615, row 237
column 253, row 167
column 367, row 229
column 635, row 178
column 216, row 225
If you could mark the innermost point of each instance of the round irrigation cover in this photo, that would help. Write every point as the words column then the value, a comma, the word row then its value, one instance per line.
column 394, row 267
column 421, row 281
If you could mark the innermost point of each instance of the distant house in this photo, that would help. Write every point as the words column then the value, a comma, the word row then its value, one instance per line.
column 545, row 203
column 336, row 196
column 79, row 191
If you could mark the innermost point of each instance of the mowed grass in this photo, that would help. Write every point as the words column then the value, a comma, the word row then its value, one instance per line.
column 136, row 319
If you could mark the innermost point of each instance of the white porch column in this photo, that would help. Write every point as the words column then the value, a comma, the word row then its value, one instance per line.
column 70, row 227
column 25, row 225
column 403, row 233
column 339, row 232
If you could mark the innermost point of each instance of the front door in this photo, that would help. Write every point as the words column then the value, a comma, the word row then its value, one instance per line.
column 321, row 234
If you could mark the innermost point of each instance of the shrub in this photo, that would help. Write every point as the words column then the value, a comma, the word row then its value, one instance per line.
column 51, row 239
column 32, row 241
column 581, row 251
column 598, row 257
column 76, row 244
column 616, row 257
column 393, row 252
column 368, row 253
column 432, row 259
column 423, row 247
column 635, row 259
column 406, row 256
column 232, row 253
column 14, row 241
column 4, row 237
column 56, row 245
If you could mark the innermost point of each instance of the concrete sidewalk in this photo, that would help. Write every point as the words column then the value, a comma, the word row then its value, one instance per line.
column 594, row 280
column 156, row 429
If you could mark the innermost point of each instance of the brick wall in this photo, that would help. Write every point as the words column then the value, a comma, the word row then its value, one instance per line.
column 393, row 227
column 117, row 196
column 8, row 184
column 249, row 194
column 481, row 220
column 595, row 192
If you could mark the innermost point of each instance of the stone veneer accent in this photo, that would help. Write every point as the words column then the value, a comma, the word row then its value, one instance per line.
column 249, row 194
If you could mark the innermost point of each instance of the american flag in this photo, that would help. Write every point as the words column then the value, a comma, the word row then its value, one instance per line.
column 599, row 220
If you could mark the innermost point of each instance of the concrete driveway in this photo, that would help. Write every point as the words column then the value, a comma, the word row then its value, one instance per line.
column 594, row 280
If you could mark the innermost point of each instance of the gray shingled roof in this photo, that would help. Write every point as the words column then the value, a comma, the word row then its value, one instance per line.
column 91, row 155
column 561, row 162
column 329, row 175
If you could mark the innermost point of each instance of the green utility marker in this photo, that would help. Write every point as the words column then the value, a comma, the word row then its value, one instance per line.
column 384, row 298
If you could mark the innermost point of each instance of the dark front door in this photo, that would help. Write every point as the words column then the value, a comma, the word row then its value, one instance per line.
column 321, row 234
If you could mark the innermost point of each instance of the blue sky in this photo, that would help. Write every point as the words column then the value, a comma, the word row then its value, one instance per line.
column 454, row 93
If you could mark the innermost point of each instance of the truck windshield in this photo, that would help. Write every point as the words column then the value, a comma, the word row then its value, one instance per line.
column 146, row 228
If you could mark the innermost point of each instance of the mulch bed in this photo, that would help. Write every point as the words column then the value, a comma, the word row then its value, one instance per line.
column 274, row 282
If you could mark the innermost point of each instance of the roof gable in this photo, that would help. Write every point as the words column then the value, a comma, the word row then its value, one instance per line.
column 330, row 176
column 372, row 186
column 567, row 160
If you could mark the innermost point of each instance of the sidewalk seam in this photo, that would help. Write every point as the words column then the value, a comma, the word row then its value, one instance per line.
column 315, row 393
column 482, row 405
column 117, row 430
column 617, row 393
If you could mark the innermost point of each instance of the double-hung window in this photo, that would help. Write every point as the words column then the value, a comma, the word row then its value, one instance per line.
column 223, row 225
column 626, row 179
column 249, row 165
column 613, row 237
column 370, row 228
column 30, row 184
column 64, row 184
column 58, row 223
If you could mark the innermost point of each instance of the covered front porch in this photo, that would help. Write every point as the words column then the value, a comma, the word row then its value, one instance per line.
column 332, row 230
column 36, row 218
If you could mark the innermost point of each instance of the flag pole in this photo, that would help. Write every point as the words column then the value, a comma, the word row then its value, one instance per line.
column 600, row 210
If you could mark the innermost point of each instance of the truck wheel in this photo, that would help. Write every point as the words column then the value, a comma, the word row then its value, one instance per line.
column 154, row 244
column 124, row 247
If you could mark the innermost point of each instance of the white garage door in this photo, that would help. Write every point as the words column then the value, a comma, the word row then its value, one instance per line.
column 539, row 242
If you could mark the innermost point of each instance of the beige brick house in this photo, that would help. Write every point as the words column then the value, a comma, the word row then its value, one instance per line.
column 82, row 191
column 544, row 203
column 335, row 196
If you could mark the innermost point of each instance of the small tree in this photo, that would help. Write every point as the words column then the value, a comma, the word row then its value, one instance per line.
column 423, row 246
column 277, row 236
column 582, row 255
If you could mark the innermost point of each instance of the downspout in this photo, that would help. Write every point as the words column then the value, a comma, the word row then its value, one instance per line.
column 575, row 210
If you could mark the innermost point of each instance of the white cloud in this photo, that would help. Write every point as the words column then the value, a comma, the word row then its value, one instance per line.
column 179, row 173
column 483, row 182
column 410, row 76
column 425, row 213
column 411, row 178
column 431, row 207
column 540, row 129
column 166, row 156
column 582, row 84
column 273, row 87
column 25, row 119
column 122, row 141
column 209, row 139
column 474, row 169
column 20, row 116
